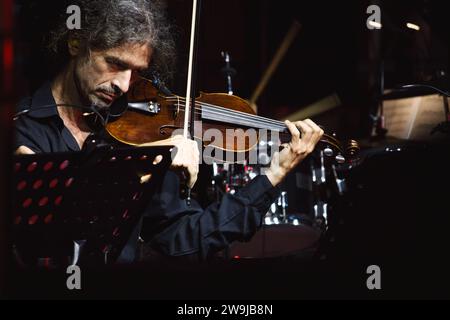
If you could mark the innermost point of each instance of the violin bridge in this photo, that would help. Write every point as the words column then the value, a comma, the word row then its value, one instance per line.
column 176, row 109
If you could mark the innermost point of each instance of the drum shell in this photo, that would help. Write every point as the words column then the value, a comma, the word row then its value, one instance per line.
column 278, row 240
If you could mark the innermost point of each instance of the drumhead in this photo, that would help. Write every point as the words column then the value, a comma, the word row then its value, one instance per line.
column 277, row 240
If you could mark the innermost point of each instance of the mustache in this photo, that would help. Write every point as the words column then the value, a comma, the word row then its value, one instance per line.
column 115, row 90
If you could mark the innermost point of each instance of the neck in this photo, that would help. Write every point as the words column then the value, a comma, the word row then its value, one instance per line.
column 65, row 92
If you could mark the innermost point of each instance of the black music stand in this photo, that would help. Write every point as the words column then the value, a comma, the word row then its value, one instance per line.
column 83, row 204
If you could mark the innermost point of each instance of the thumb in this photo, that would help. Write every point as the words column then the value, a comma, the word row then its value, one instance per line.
column 275, row 160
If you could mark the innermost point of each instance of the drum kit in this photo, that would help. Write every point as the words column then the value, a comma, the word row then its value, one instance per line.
column 376, row 202
column 286, row 232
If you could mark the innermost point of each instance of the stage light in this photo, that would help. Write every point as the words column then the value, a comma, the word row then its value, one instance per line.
column 413, row 26
column 375, row 24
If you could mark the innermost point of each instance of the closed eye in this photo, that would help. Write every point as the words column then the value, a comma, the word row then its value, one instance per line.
column 120, row 65
column 116, row 64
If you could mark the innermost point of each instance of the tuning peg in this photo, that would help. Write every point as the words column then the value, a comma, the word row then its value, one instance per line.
column 328, row 151
column 340, row 159
column 352, row 148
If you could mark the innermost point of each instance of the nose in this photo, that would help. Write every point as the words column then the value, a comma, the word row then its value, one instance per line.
column 122, row 80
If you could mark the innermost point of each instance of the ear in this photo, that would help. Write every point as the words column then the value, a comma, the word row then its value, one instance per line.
column 74, row 46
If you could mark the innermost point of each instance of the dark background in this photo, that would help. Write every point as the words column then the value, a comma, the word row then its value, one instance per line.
column 333, row 53
column 397, row 215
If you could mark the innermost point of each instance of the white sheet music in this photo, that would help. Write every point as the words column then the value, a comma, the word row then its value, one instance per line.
column 414, row 118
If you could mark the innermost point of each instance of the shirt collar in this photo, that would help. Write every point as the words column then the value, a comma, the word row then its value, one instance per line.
column 43, row 97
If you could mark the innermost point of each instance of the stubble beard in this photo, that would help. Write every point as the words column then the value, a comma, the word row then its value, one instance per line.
column 88, row 99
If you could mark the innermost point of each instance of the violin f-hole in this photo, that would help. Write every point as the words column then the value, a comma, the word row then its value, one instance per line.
column 168, row 129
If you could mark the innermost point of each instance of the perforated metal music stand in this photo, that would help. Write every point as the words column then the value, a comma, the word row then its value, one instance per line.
column 71, row 201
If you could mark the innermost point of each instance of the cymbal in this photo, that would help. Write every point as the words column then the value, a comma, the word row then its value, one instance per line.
column 394, row 94
column 421, row 88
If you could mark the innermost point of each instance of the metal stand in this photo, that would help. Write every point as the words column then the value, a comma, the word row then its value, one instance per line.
column 71, row 208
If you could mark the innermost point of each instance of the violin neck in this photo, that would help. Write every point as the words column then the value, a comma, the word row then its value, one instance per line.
column 241, row 119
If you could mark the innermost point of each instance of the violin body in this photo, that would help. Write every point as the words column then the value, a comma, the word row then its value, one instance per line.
column 137, row 126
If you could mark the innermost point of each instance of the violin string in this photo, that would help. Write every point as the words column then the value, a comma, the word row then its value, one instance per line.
column 174, row 99
column 242, row 119
column 238, row 115
column 233, row 115
column 232, row 112
column 285, row 135
column 245, row 116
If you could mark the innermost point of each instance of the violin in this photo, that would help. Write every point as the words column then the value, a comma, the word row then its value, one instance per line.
column 152, row 116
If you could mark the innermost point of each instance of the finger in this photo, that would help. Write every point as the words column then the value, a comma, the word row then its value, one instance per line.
column 316, row 134
column 275, row 160
column 177, row 137
column 306, row 131
column 195, row 151
column 193, row 174
column 157, row 160
column 181, row 151
column 192, row 182
column 313, row 125
column 191, row 161
column 295, row 133
column 191, row 166
column 175, row 154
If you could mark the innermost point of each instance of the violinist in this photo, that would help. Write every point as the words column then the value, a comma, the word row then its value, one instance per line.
column 118, row 40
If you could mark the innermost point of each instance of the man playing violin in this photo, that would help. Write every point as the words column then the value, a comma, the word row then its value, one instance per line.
column 117, row 41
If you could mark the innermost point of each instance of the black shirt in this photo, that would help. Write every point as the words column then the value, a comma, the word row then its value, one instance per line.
column 170, row 226
column 42, row 130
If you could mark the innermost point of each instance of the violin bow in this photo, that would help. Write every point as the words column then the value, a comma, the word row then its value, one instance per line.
column 189, row 114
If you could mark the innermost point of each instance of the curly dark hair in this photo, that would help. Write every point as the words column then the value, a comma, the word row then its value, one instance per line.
column 107, row 24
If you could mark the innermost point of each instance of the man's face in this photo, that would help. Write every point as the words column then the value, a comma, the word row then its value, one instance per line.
column 104, row 76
